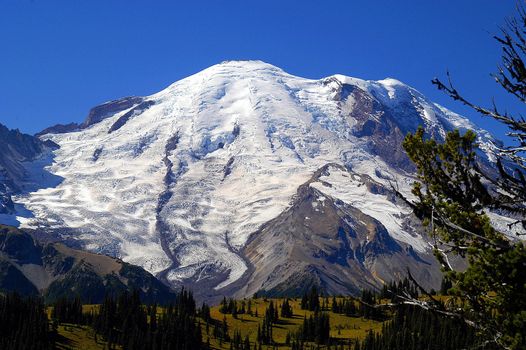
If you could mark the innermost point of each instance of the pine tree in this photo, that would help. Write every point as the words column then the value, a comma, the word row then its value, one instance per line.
column 249, row 307
column 24, row 324
column 286, row 309
column 310, row 301
column 124, row 321
column 316, row 328
column 415, row 328
column 456, row 192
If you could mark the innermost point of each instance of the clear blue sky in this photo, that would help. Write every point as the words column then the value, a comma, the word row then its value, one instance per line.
column 59, row 58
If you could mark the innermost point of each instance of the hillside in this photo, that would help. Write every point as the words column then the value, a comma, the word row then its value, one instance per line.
column 345, row 331
column 54, row 271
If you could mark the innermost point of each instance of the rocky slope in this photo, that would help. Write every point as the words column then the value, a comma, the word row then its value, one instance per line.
column 209, row 182
column 56, row 271
column 16, row 148
column 334, row 243
column 95, row 115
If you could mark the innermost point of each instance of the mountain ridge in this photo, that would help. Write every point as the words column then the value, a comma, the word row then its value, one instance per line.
column 56, row 271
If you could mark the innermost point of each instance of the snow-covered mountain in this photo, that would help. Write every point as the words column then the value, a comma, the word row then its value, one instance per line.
column 244, row 178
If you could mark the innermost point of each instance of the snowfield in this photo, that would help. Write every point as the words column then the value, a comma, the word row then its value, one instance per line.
column 178, row 183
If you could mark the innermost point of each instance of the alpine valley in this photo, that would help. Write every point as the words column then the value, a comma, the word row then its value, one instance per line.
column 236, row 180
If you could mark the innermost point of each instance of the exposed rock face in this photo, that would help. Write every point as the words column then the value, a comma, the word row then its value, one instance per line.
column 373, row 122
column 324, row 240
column 56, row 271
column 15, row 149
column 217, row 181
column 105, row 110
column 59, row 129
column 95, row 115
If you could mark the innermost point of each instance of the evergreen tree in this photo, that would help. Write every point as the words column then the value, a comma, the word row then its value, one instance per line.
column 315, row 328
column 124, row 321
column 456, row 192
column 286, row 309
column 413, row 328
column 249, row 307
column 265, row 332
column 68, row 311
column 334, row 305
column 311, row 300
column 367, row 309
column 24, row 324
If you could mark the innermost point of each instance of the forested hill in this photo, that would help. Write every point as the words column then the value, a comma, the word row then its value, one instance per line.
column 53, row 270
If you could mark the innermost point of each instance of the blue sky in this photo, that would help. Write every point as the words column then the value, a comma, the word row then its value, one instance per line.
column 59, row 58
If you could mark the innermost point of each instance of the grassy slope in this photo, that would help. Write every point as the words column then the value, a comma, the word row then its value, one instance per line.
column 72, row 336
column 342, row 327
column 79, row 337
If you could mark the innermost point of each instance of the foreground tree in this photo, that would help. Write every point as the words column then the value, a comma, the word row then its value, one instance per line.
column 455, row 194
column 123, row 321
column 24, row 324
column 413, row 328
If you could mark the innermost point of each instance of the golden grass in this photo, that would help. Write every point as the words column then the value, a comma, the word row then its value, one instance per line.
column 342, row 327
column 79, row 337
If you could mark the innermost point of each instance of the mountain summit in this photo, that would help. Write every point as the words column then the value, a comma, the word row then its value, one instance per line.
column 244, row 178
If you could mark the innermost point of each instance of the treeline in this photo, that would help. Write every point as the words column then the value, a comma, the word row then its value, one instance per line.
column 365, row 306
column 368, row 306
column 414, row 328
column 346, row 306
column 234, row 308
column 238, row 343
column 315, row 328
column 24, row 324
column 393, row 290
column 264, row 336
column 70, row 311
column 126, row 322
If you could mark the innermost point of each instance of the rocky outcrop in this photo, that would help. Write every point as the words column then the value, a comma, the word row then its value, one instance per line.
column 59, row 129
column 108, row 109
column 15, row 149
column 95, row 115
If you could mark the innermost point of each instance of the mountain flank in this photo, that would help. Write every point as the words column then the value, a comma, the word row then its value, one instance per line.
column 53, row 270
